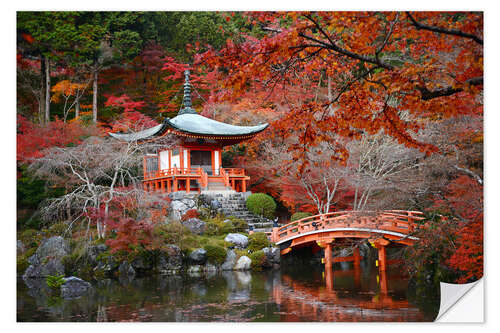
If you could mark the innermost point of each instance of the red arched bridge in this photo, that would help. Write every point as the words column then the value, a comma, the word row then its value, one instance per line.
column 381, row 228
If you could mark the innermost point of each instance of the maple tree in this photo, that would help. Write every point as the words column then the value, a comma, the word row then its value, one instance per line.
column 377, row 64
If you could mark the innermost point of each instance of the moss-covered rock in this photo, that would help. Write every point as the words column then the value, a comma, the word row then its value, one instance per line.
column 215, row 254
column 258, row 258
column 257, row 241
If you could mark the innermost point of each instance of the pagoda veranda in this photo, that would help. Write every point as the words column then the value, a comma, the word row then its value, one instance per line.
column 192, row 165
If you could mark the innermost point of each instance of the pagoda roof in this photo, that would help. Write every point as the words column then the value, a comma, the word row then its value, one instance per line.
column 197, row 124
column 189, row 122
column 193, row 124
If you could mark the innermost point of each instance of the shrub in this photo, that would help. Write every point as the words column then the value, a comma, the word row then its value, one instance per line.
column 22, row 264
column 55, row 281
column 171, row 233
column 215, row 254
column 22, row 260
column 239, row 225
column 70, row 263
column 58, row 229
column 257, row 241
column 30, row 238
column 261, row 204
column 192, row 213
column 299, row 216
column 257, row 259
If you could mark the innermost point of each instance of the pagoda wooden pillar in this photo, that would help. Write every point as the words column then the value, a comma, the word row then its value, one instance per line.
column 169, row 186
column 175, row 185
column 162, row 183
column 243, row 185
column 188, row 185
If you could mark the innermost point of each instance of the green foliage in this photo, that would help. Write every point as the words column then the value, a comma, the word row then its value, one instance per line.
column 192, row 242
column 31, row 238
column 261, row 204
column 239, row 225
column 58, row 229
column 55, row 281
column 22, row 260
column 72, row 263
column 299, row 215
column 215, row 254
column 257, row 241
column 21, row 264
column 257, row 260
column 31, row 192
column 171, row 233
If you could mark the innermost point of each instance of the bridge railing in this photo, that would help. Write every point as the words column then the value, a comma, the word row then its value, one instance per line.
column 389, row 220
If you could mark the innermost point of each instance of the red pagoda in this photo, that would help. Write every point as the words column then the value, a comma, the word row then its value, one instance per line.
column 195, row 164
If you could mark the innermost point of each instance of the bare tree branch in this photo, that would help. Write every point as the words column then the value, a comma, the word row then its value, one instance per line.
column 453, row 32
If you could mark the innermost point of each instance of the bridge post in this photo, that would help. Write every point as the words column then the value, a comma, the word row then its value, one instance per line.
column 329, row 278
column 382, row 261
column 356, row 256
column 383, row 282
column 328, row 256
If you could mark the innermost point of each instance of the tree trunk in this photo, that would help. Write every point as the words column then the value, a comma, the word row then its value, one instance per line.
column 41, row 102
column 94, row 100
column 47, row 90
column 77, row 108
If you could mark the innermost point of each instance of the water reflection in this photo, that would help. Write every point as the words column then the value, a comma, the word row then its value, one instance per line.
column 295, row 294
column 345, row 297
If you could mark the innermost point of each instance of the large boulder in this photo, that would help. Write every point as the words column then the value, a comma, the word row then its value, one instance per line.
column 238, row 240
column 47, row 259
column 230, row 261
column 94, row 251
column 106, row 267
column 170, row 262
column 74, row 287
column 243, row 264
column 272, row 257
column 215, row 204
column 198, row 257
column 196, row 226
column 180, row 205
column 126, row 270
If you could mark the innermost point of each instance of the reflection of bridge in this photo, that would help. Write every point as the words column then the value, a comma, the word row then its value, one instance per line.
column 380, row 228
column 302, row 300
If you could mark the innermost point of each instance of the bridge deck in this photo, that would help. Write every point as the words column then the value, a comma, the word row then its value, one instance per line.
column 393, row 224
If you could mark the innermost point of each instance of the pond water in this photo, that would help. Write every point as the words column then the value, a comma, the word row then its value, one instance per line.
column 299, row 294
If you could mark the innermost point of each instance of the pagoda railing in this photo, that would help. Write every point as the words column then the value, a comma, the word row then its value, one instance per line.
column 234, row 172
column 225, row 176
column 174, row 172
column 225, row 173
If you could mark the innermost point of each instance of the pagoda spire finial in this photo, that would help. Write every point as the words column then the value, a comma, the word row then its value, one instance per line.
column 186, row 101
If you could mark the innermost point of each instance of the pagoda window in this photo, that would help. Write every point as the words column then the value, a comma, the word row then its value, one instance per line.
column 176, row 159
column 164, row 162
column 202, row 159
column 151, row 163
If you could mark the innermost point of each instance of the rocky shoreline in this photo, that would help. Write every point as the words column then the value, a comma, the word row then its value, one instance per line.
column 54, row 258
